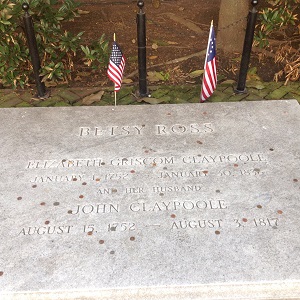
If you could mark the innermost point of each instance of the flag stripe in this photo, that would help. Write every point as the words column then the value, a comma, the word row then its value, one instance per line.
column 115, row 73
column 211, row 73
column 209, row 82
column 116, row 66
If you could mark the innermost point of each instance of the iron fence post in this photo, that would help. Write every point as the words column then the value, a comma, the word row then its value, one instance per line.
column 33, row 50
column 252, row 16
column 141, row 38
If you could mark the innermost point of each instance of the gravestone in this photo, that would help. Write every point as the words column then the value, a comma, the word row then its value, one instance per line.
column 197, row 201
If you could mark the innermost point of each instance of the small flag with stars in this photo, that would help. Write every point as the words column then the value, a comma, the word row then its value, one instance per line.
column 116, row 66
column 209, row 82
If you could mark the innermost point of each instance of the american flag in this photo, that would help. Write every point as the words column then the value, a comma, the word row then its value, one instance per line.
column 116, row 66
column 209, row 82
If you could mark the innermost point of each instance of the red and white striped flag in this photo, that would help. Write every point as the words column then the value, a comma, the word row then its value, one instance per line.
column 116, row 66
column 209, row 82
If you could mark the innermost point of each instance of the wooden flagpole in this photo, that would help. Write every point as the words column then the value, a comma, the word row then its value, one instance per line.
column 115, row 84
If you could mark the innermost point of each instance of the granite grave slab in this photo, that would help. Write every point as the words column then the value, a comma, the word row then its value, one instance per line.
column 193, row 201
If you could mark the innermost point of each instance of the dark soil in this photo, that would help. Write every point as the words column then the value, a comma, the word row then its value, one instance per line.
column 177, row 28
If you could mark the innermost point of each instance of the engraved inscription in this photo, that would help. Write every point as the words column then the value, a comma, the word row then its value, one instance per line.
column 64, row 163
column 231, row 158
column 100, row 208
column 140, row 206
column 184, row 224
column 134, row 190
column 163, row 170
column 111, row 130
column 98, row 162
column 259, row 222
column 139, row 161
column 183, row 129
column 121, row 226
column 140, row 130
column 187, row 188
column 56, row 178
column 196, row 173
column 43, row 230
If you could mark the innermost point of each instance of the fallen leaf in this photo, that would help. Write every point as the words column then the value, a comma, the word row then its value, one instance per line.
column 196, row 73
column 153, row 57
column 83, row 12
column 50, row 83
column 160, row 76
column 88, row 100
column 154, row 46
column 156, row 3
column 160, row 43
column 172, row 43
column 127, row 80
column 152, row 77
column 228, row 82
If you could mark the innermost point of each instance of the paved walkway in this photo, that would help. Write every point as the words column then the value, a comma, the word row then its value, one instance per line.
column 98, row 96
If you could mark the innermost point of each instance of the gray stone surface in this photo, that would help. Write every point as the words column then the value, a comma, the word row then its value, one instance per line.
column 197, row 201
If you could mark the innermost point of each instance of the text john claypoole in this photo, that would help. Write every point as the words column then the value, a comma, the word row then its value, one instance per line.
column 142, row 206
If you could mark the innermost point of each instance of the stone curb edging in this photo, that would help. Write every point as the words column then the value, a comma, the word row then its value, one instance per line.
column 86, row 96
